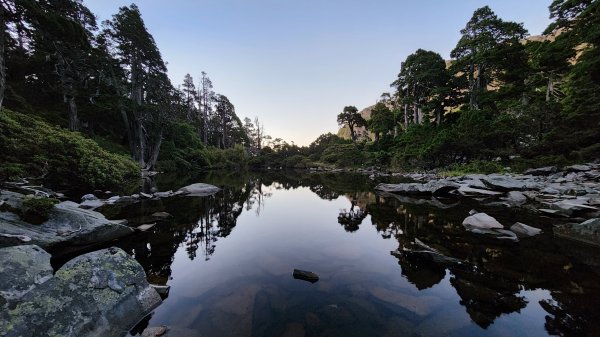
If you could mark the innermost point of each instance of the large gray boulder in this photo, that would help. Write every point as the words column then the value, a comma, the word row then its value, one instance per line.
column 67, row 224
column 104, row 293
column 481, row 221
column 198, row 190
column 22, row 269
column 433, row 187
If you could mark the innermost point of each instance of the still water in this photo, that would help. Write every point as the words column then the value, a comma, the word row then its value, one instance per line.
column 229, row 260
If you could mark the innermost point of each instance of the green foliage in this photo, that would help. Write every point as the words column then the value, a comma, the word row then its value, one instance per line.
column 345, row 155
column 30, row 146
column 36, row 210
column 477, row 166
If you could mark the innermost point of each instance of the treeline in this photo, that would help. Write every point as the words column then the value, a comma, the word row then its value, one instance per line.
column 109, row 82
column 502, row 95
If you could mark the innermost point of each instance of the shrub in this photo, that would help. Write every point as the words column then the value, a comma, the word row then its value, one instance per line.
column 36, row 210
column 29, row 146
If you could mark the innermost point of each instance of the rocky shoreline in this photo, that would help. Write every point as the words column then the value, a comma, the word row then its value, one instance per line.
column 101, row 293
column 571, row 195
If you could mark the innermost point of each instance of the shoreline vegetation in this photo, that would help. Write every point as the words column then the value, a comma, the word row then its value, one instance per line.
column 505, row 102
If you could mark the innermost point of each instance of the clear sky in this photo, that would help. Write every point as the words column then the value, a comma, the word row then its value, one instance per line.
column 296, row 64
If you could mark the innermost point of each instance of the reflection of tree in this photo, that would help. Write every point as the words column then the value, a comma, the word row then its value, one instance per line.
column 352, row 218
column 197, row 223
column 488, row 275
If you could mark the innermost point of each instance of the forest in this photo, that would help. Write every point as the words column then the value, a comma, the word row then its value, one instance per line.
column 91, row 103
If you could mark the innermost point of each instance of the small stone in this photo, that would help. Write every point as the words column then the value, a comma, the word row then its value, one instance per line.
column 305, row 275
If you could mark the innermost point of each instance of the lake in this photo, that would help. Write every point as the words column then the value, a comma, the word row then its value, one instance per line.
column 229, row 260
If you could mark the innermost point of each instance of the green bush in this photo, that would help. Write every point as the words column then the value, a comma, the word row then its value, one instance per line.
column 36, row 210
column 31, row 147
column 344, row 155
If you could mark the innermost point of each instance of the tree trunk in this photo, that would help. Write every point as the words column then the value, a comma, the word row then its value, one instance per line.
column 405, row 117
column 2, row 56
column 72, row 108
column 154, row 151
column 415, row 114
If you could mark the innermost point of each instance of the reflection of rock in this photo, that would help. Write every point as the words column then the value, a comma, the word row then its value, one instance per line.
column 433, row 201
column 587, row 231
column 485, row 304
column 97, row 294
column 420, row 305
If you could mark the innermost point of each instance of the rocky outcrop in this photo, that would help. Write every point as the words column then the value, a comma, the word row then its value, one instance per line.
column 104, row 293
column 433, row 187
column 67, row 224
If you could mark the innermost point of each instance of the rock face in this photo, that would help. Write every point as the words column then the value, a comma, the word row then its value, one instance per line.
column 433, row 187
column 67, row 224
column 198, row 190
column 103, row 293
column 22, row 269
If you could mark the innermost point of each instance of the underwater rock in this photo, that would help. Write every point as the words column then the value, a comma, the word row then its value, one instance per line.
column 305, row 275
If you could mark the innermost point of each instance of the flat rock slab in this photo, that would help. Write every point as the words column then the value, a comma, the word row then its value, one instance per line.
column 198, row 190
column 103, row 293
column 67, row 224
column 433, row 187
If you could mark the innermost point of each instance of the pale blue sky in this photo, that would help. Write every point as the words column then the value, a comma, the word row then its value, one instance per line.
column 296, row 64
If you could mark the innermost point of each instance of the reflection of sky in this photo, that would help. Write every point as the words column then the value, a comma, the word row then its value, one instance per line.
column 306, row 60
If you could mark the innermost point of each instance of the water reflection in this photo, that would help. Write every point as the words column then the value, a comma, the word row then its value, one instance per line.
column 491, row 279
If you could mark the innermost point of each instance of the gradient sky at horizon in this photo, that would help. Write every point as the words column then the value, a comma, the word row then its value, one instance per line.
column 296, row 64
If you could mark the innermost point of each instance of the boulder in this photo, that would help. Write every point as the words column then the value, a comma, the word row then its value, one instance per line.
column 67, row 224
column 522, row 230
column 542, row 171
column 588, row 227
column 103, row 293
column 23, row 268
column 89, row 197
column 198, row 190
column 305, row 275
column 433, row 187
column 481, row 221
column 515, row 198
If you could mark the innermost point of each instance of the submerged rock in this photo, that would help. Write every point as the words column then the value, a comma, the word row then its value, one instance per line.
column 198, row 190
column 102, row 293
column 306, row 275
